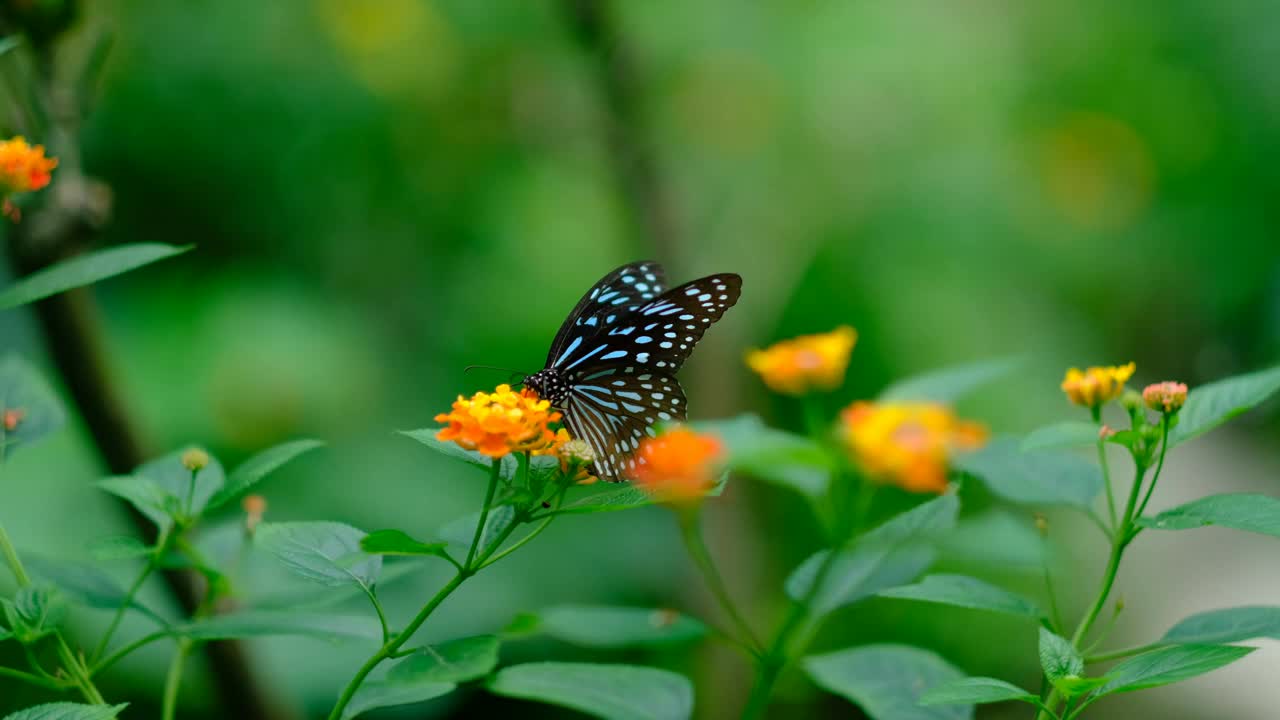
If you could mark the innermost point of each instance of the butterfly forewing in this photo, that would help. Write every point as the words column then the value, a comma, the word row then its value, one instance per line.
column 613, row 409
column 615, row 296
column 611, row 368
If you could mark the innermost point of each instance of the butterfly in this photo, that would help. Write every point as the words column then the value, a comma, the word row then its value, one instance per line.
column 611, row 368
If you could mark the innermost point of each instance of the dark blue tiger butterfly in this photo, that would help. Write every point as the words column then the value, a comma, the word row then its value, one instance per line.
column 611, row 369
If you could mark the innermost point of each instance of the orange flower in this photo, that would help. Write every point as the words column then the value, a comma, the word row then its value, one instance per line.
column 1167, row 397
column 23, row 167
column 12, row 417
column 907, row 444
column 678, row 466
column 502, row 422
column 808, row 362
column 1096, row 385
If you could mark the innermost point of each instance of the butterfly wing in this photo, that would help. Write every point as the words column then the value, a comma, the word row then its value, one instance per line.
column 667, row 328
column 614, row 296
column 614, row 408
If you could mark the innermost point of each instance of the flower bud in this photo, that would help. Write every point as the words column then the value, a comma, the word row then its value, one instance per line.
column 1042, row 524
column 1165, row 397
column 1105, row 432
column 1131, row 400
column 255, row 506
column 195, row 459
column 12, row 417
column 578, row 451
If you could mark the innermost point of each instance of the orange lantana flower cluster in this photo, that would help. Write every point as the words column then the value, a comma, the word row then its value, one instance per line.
column 907, row 444
column 1167, row 396
column 23, row 167
column 808, row 362
column 679, row 466
column 1096, row 385
column 502, row 422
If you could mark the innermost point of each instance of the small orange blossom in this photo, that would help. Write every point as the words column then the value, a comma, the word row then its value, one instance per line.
column 502, row 422
column 1166, row 396
column 678, row 466
column 907, row 444
column 808, row 362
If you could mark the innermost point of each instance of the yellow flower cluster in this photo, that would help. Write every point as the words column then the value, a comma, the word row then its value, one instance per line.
column 1096, row 385
column 907, row 444
column 502, row 422
column 23, row 167
column 678, row 466
column 808, row 362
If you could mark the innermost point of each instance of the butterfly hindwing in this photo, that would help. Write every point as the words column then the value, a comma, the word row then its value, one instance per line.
column 613, row 297
column 614, row 408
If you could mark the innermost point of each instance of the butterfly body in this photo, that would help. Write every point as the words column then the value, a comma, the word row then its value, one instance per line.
column 611, row 368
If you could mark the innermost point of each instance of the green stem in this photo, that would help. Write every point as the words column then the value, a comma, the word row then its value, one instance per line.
column 546, row 520
column 391, row 647
column 48, row 683
column 377, row 608
column 1054, row 613
column 74, row 668
column 1164, row 444
column 173, row 680
column 691, row 532
column 115, row 657
column 1122, row 653
column 118, row 617
column 1102, row 461
column 494, row 473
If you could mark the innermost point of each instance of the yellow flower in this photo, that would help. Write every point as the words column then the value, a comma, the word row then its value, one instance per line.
column 23, row 167
column 502, row 422
column 1167, row 397
column 808, row 362
column 678, row 466
column 907, row 444
column 1096, row 385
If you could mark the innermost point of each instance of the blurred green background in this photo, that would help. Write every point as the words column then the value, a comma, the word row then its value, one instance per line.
column 384, row 191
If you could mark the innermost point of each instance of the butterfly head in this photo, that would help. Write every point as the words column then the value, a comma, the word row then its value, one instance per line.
column 550, row 385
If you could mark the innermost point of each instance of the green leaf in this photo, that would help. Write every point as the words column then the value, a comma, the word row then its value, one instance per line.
column 253, row 470
column 1227, row 625
column 118, row 547
column 774, row 456
column 967, row 592
column 325, row 552
column 9, row 43
column 153, row 501
column 427, row 436
column 463, row 530
column 887, row 681
column 396, row 542
column 1069, row 434
column 1240, row 511
column 374, row 694
column 599, row 626
column 889, row 555
column 1059, row 658
column 1209, row 406
column 84, row 270
column 86, row 584
column 948, row 384
column 1038, row 477
column 450, row 662
column 1168, row 665
column 976, row 691
column 266, row 623
column 68, row 711
column 22, row 389
column 615, row 692
column 624, row 497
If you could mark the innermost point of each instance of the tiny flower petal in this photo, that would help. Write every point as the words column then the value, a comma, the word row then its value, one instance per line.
column 23, row 167
column 808, row 362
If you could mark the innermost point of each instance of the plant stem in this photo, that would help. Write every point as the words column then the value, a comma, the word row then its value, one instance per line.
column 173, row 680
column 75, row 669
column 48, row 683
column 691, row 532
column 546, row 520
column 1119, row 541
column 474, row 563
column 1164, row 444
column 494, row 474
column 115, row 657
column 161, row 547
